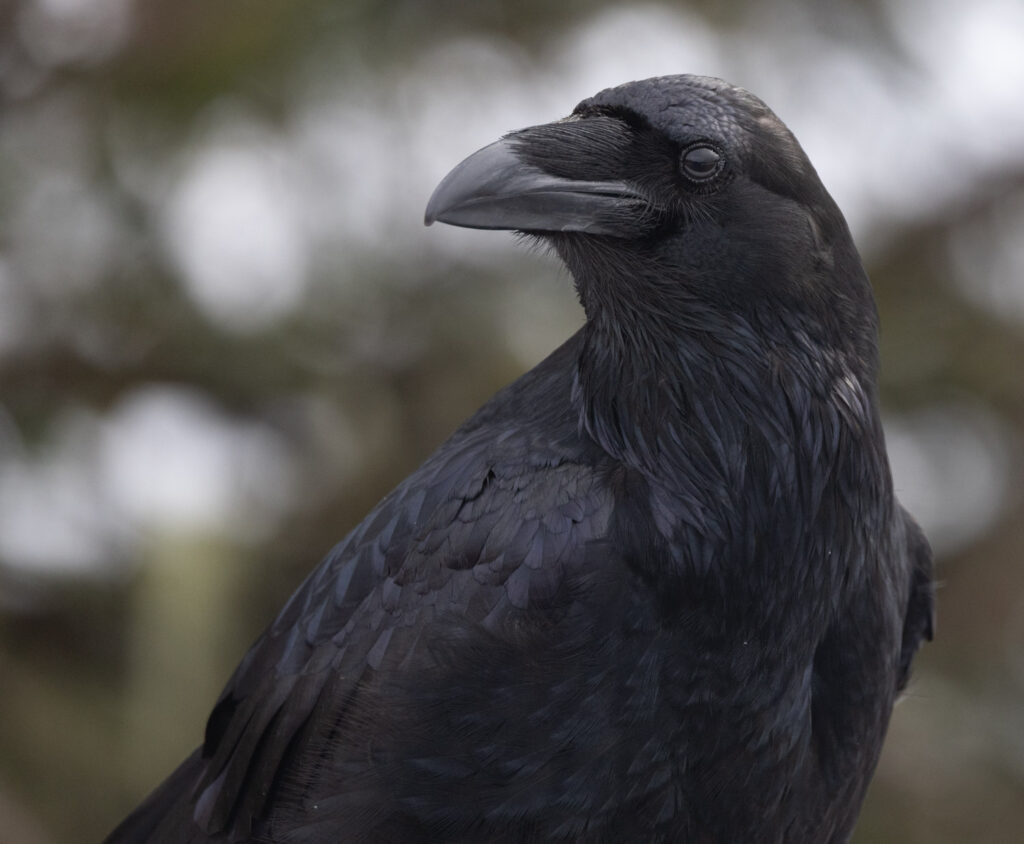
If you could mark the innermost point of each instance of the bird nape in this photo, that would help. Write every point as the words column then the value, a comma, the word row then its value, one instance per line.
column 657, row 589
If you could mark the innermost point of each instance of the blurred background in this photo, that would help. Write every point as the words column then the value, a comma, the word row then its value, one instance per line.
column 225, row 333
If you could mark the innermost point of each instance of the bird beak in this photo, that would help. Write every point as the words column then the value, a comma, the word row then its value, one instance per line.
column 495, row 189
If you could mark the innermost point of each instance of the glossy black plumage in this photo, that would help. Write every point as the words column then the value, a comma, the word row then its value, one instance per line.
column 657, row 589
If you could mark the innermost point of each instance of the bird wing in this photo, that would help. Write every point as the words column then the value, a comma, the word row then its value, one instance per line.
column 484, row 536
column 919, row 622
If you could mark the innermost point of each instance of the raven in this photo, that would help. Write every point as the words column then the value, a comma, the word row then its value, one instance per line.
column 657, row 589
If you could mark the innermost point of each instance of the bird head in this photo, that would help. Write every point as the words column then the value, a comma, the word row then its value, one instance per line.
column 670, row 196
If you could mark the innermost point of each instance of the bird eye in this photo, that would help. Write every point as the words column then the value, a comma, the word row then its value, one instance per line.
column 701, row 162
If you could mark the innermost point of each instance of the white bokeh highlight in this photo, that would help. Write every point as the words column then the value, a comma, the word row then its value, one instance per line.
column 170, row 460
column 232, row 224
column 951, row 469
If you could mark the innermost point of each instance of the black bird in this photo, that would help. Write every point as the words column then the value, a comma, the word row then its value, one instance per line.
column 657, row 589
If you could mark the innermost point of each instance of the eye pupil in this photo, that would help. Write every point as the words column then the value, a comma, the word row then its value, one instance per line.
column 701, row 163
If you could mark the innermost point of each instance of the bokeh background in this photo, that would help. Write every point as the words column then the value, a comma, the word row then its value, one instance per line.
column 225, row 333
